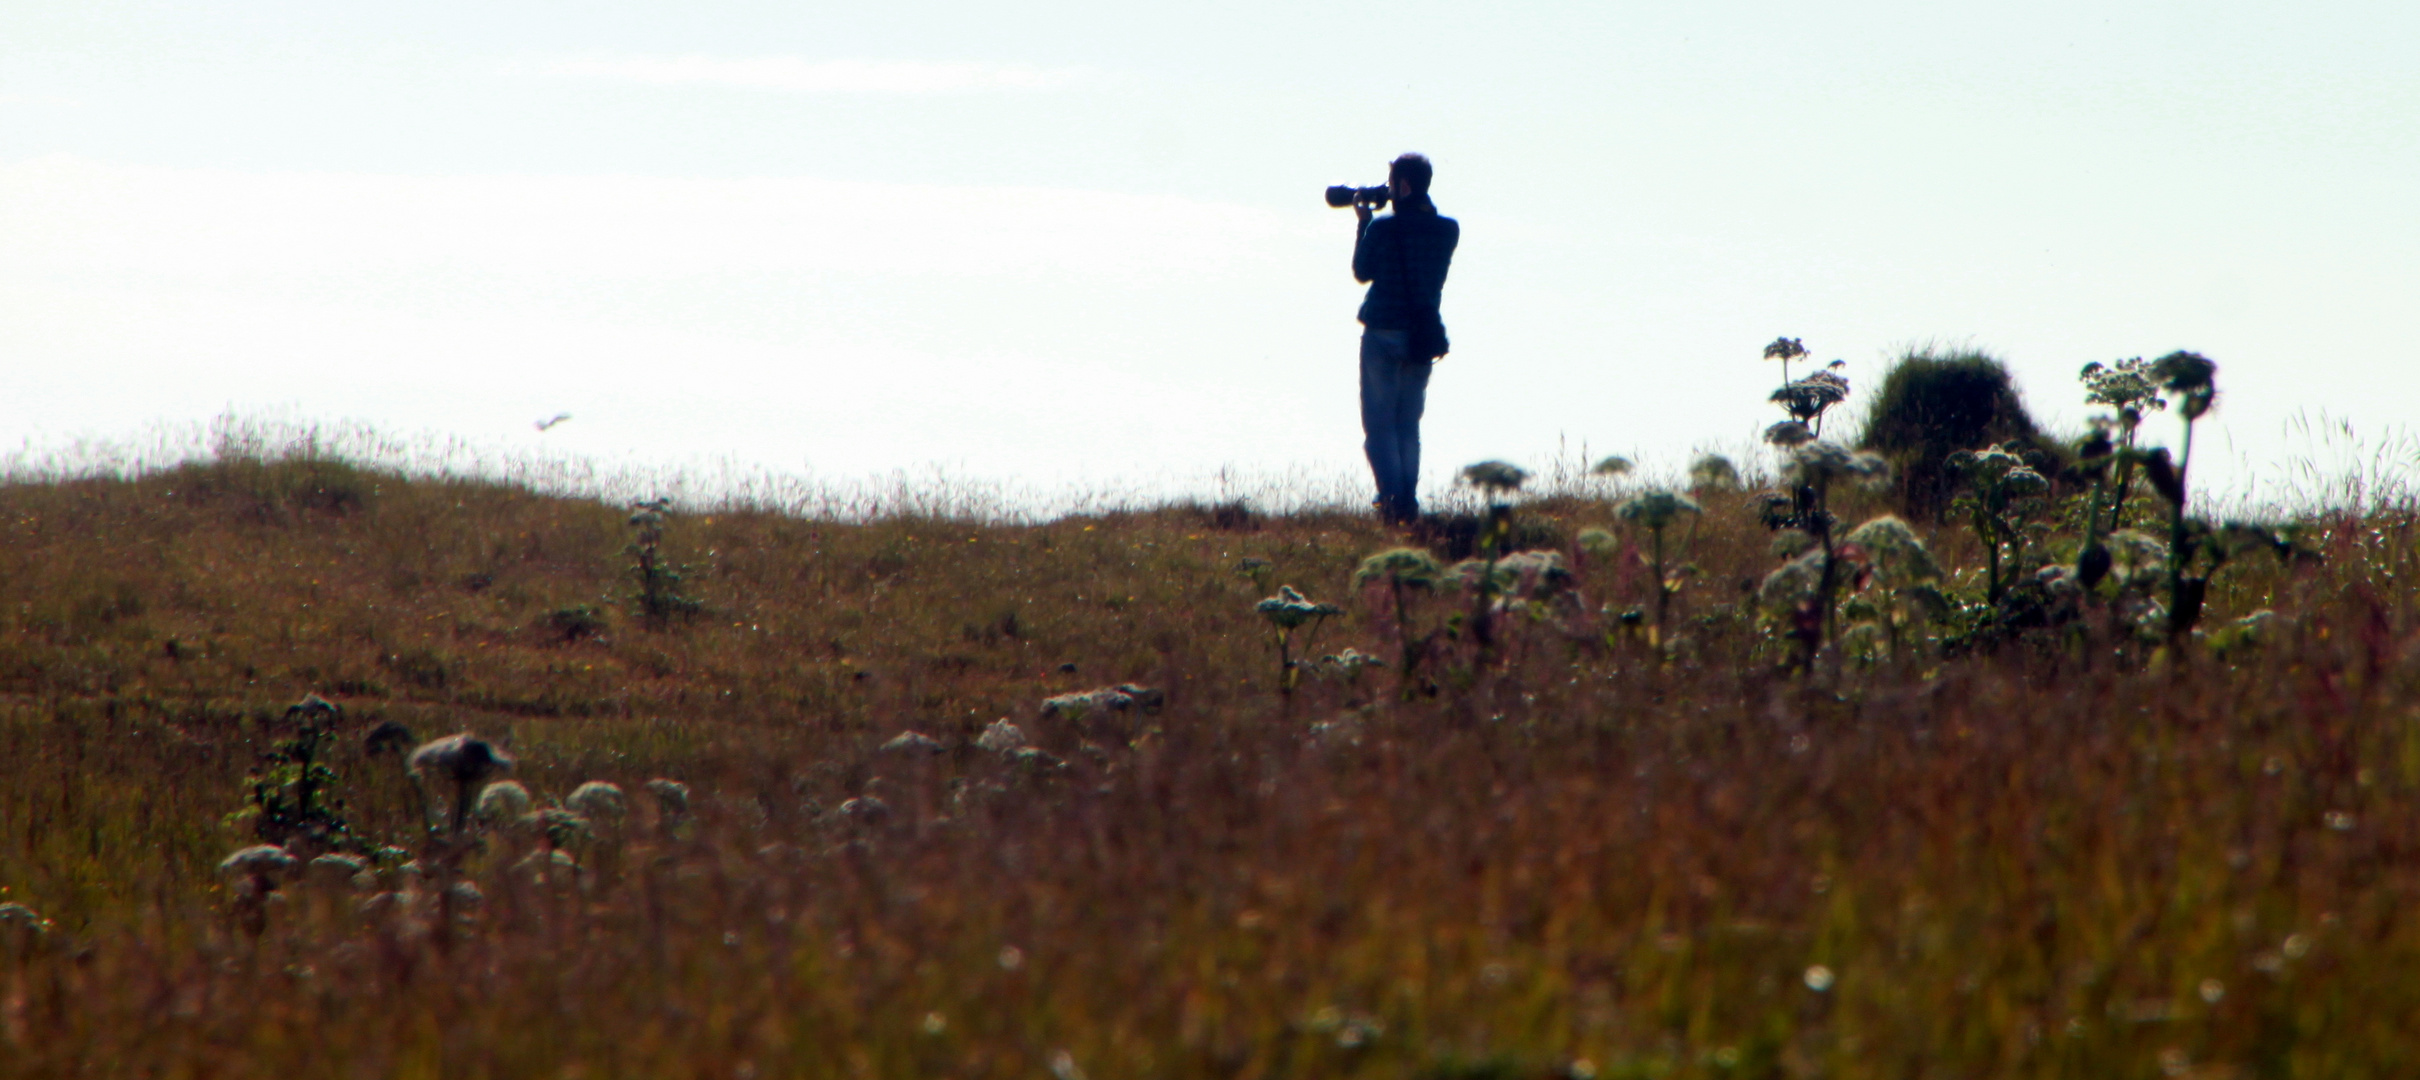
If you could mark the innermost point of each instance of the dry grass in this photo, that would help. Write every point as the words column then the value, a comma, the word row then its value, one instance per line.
column 2072, row 860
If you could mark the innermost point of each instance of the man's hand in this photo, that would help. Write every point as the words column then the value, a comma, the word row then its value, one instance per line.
column 1361, row 210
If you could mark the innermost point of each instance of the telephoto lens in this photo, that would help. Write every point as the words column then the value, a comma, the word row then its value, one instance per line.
column 1341, row 195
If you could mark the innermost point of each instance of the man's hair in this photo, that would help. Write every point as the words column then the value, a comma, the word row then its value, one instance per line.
column 1414, row 170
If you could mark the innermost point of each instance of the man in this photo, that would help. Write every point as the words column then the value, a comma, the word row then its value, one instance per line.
column 1403, row 256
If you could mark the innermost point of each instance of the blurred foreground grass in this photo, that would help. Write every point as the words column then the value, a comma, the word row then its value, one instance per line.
column 2074, row 858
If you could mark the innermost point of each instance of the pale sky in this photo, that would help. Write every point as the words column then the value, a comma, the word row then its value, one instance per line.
column 1082, row 244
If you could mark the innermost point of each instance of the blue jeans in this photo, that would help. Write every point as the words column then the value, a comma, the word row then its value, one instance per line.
column 1394, row 392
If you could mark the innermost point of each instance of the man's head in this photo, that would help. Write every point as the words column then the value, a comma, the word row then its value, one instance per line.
column 1408, row 177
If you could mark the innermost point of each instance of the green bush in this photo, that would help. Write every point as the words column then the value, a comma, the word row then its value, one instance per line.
column 1935, row 402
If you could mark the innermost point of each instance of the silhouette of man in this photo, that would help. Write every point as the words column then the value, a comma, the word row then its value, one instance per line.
column 1403, row 256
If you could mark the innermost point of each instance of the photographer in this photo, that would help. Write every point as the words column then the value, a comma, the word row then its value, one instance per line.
column 1403, row 256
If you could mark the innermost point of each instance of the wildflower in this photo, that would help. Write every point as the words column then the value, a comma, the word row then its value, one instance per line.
column 1497, row 477
column 1819, row 978
column 502, row 801
column 1598, row 543
column 21, row 925
column 1001, row 736
column 1793, row 582
column 2127, row 386
column 2191, row 377
column 1616, row 465
column 1713, row 471
column 333, row 870
column 1119, row 698
column 1474, row 574
column 547, row 867
column 866, row 809
column 1034, row 759
column 1400, row 567
column 1348, row 663
column 672, row 795
column 1896, row 548
column 559, row 827
column 259, row 860
column 1534, row 573
column 597, row 800
column 1785, row 350
column 911, row 742
column 389, row 737
column 1063, row 1066
column 1656, row 509
column 1790, row 433
column 1818, row 463
column 1809, row 398
column 254, row 871
column 2212, row 990
column 463, row 760
column 460, row 758
column 1290, row 609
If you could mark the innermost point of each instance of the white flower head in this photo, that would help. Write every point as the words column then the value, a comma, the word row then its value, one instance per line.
column 1656, row 509
column 501, row 802
column 1495, row 476
column 1001, row 737
column 597, row 800
column 672, row 795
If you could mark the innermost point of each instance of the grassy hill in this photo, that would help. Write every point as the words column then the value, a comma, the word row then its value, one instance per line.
column 1559, row 846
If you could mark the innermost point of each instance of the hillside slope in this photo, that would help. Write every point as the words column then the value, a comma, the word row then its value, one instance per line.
column 1556, row 848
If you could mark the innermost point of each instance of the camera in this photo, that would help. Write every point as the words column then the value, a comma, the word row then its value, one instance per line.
column 1347, row 195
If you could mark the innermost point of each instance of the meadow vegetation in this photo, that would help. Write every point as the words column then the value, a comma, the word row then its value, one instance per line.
column 1620, row 781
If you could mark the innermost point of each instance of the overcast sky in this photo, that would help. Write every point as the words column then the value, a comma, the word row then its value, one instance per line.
column 1083, row 243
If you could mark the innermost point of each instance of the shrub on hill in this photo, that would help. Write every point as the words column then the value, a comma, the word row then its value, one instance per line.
column 1935, row 402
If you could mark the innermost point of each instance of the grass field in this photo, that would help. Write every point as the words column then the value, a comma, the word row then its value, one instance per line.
column 1569, row 852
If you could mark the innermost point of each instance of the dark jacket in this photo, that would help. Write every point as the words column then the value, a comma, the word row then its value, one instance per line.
column 1404, row 256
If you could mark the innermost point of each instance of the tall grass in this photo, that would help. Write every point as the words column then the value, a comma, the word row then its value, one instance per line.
column 1582, row 856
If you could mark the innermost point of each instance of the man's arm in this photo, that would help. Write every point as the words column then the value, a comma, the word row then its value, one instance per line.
column 1365, row 247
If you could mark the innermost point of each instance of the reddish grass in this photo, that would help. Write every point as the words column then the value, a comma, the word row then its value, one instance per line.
column 2073, row 859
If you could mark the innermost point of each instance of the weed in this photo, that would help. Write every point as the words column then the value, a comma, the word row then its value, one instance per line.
column 1656, row 511
column 1287, row 612
column 658, row 597
column 290, row 800
column 2000, row 487
column 1405, row 572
